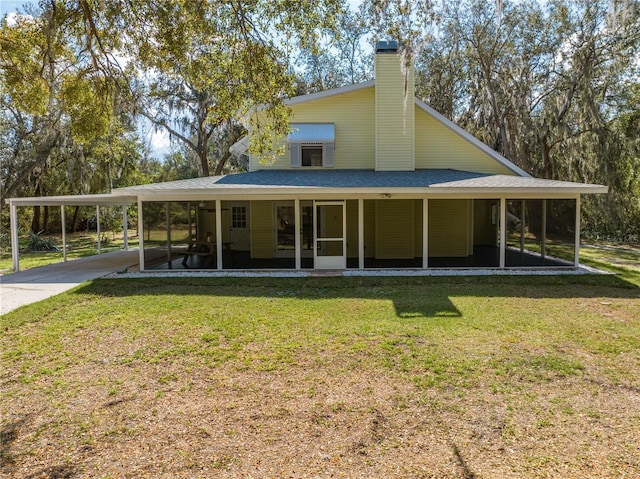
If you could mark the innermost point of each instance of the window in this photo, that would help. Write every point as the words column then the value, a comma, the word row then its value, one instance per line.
column 311, row 155
column 238, row 217
column 312, row 145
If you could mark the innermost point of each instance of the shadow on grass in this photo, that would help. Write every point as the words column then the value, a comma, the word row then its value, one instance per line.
column 412, row 297
column 8, row 435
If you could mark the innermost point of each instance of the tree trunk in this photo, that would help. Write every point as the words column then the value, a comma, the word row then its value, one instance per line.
column 75, row 220
column 45, row 223
column 35, row 221
column 204, row 163
column 222, row 162
column 546, row 159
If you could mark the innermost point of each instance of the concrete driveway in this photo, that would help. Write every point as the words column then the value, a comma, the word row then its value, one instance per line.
column 36, row 284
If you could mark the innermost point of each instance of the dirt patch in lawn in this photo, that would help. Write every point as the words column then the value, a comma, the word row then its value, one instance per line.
column 180, row 419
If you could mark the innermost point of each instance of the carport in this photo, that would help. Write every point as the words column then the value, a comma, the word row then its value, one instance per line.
column 62, row 202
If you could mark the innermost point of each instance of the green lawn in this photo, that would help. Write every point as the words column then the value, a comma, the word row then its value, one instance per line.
column 79, row 245
column 326, row 377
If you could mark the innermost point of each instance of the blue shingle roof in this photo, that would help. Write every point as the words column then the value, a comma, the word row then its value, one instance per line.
column 348, row 178
column 435, row 180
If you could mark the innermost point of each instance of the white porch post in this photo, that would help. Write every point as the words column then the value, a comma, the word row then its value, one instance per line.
column 298, row 223
column 522, row 213
column 543, row 246
column 98, row 228
column 189, row 219
column 125, row 226
column 140, row 236
column 167, row 218
column 344, row 232
column 219, row 234
column 576, row 253
column 503, row 231
column 15, row 247
column 63, row 220
column 360, row 233
column 425, row 233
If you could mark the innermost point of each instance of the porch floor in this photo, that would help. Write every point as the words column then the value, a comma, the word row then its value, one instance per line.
column 483, row 257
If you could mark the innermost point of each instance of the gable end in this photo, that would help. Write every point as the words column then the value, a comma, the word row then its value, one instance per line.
column 469, row 138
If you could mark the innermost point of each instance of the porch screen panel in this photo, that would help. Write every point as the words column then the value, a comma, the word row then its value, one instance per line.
column 261, row 220
column 285, row 227
column 448, row 228
column 394, row 229
column 534, row 241
column 560, row 235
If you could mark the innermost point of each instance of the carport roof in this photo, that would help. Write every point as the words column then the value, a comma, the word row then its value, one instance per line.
column 74, row 200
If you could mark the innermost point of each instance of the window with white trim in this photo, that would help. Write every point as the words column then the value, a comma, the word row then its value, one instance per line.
column 311, row 145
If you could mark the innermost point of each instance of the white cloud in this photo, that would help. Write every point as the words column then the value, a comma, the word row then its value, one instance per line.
column 159, row 142
column 158, row 139
column 12, row 18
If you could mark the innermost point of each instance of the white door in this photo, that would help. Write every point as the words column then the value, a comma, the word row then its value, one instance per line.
column 239, row 226
column 329, row 233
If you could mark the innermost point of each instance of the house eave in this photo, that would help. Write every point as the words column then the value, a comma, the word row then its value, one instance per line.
column 368, row 193
column 329, row 93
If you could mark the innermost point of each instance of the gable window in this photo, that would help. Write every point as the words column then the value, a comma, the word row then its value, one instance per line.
column 311, row 155
column 312, row 145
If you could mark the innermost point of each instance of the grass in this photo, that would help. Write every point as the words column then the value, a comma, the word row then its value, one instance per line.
column 79, row 245
column 355, row 377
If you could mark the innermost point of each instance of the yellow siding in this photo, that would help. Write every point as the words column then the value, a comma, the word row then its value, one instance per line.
column 379, row 127
column 394, row 229
column 353, row 114
column 261, row 229
column 448, row 228
column 439, row 147
column 395, row 114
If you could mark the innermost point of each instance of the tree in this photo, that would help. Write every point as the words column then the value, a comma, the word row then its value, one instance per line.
column 341, row 59
column 211, row 62
column 63, row 106
column 546, row 85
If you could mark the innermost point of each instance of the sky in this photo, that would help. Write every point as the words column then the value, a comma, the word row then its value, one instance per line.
column 7, row 6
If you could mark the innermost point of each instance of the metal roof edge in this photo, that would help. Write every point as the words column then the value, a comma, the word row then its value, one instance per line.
column 378, row 190
column 74, row 200
column 472, row 139
column 329, row 93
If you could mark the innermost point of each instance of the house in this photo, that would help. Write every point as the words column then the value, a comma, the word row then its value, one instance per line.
column 372, row 177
